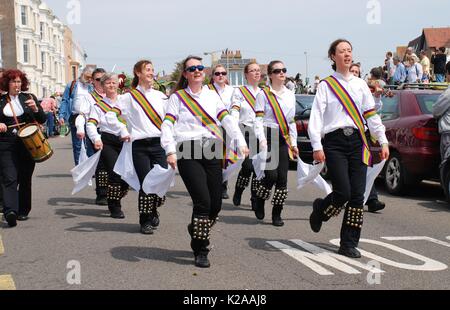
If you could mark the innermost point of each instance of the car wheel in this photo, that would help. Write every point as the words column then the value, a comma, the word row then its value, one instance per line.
column 394, row 175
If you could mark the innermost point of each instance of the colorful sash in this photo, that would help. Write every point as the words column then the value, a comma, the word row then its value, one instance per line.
column 151, row 113
column 248, row 97
column 280, row 118
column 96, row 96
column 352, row 110
column 208, row 122
column 105, row 107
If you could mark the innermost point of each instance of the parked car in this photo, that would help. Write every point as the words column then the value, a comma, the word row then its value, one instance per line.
column 303, row 111
column 413, row 139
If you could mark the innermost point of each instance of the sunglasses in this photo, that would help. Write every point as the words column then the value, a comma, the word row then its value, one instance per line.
column 278, row 71
column 194, row 68
column 220, row 73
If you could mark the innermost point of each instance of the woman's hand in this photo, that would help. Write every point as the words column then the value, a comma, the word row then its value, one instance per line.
column 81, row 135
column 98, row 145
column 3, row 127
column 244, row 151
column 125, row 139
column 172, row 161
column 319, row 157
column 295, row 152
column 32, row 105
column 263, row 145
column 385, row 153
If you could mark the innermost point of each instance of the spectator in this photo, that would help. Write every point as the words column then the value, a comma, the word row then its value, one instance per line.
column 409, row 53
column 426, row 65
column 376, row 77
column 290, row 85
column 414, row 71
column 400, row 71
column 390, row 66
column 316, row 84
column 49, row 107
column 439, row 60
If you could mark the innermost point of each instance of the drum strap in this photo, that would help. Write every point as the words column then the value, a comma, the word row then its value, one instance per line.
column 8, row 99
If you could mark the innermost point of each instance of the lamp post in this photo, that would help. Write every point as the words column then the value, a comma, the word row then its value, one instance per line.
column 213, row 56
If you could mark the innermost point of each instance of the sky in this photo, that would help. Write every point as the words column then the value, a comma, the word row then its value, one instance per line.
column 117, row 33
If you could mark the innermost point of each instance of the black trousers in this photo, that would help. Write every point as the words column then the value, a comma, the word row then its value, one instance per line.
column 112, row 146
column 146, row 154
column 17, row 167
column 348, row 175
column 279, row 175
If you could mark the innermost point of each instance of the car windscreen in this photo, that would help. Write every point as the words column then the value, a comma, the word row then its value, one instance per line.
column 390, row 108
column 426, row 102
column 306, row 102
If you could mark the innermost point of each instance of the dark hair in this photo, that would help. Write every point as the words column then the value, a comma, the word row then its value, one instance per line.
column 98, row 70
column 442, row 49
column 138, row 68
column 53, row 97
column 9, row 75
column 332, row 50
column 270, row 67
column 183, row 82
column 359, row 68
column 376, row 73
column 389, row 54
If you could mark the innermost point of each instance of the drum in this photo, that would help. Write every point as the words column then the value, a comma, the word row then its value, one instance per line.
column 36, row 143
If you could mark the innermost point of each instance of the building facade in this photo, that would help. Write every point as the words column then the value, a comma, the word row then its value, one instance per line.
column 32, row 40
column 75, row 56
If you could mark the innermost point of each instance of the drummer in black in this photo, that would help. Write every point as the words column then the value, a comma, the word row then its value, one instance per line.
column 16, row 164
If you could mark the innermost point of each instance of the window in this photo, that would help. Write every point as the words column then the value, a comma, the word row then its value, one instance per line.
column 43, row 62
column 23, row 15
column 390, row 108
column 42, row 30
column 26, row 50
column 426, row 102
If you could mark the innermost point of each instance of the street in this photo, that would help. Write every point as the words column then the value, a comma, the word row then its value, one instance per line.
column 70, row 243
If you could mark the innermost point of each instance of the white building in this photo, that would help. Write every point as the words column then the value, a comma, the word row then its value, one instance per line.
column 32, row 40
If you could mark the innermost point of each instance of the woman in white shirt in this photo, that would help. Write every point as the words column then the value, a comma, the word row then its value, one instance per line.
column 414, row 70
column 108, row 141
column 243, row 109
column 193, row 127
column 219, row 84
column 144, row 108
column 342, row 106
column 275, row 113
column 16, row 165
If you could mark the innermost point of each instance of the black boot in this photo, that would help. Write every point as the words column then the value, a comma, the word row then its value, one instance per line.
column 225, row 191
column 375, row 205
column 199, row 230
column 11, row 219
column 146, row 224
column 315, row 220
column 276, row 217
column 259, row 209
column 101, row 184
column 202, row 261
column 237, row 197
column 116, row 209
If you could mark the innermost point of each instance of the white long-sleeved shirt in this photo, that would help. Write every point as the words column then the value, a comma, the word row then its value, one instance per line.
column 188, row 127
column 139, row 125
column 99, row 119
column 225, row 94
column 85, row 108
column 241, row 109
column 80, row 97
column 18, row 109
column 328, row 114
column 287, row 101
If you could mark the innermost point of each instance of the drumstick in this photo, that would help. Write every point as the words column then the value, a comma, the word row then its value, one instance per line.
column 17, row 125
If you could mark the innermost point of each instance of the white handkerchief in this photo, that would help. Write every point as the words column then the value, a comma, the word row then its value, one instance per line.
column 232, row 170
column 311, row 174
column 372, row 174
column 259, row 164
column 125, row 166
column 159, row 180
column 83, row 173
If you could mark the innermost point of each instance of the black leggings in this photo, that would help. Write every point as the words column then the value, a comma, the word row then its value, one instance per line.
column 146, row 154
column 112, row 146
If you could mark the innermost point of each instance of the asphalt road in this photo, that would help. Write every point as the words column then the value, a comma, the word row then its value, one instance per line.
column 70, row 243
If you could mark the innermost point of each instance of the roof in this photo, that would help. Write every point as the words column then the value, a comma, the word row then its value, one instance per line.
column 437, row 37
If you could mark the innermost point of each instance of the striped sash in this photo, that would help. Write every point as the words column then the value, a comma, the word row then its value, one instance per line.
column 105, row 107
column 96, row 96
column 280, row 118
column 151, row 113
column 248, row 97
column 208, row 122
column 352, row 110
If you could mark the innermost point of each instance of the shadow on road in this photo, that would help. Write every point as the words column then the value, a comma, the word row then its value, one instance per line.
column 436, row 206
column 136, row 254
column 70, row 202
column 51, row 176
column 262, row 245
column 89, row 227
column 73, row 213
column 176, row 195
